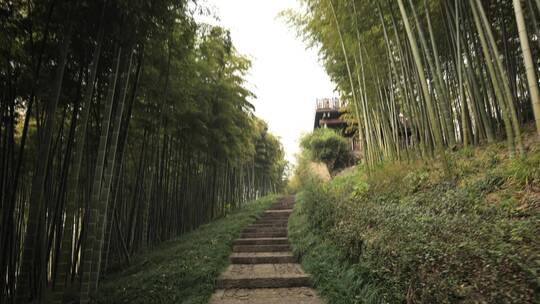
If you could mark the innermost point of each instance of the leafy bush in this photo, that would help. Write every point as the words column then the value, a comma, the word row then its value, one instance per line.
column 321, row 148
column 319, row 209
column 327, row 146
column 352, row 184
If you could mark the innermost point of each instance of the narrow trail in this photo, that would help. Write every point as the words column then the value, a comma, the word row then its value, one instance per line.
column 263, row 269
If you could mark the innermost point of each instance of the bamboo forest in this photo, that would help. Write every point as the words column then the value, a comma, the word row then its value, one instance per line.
column 150, row 152
column 423, row 76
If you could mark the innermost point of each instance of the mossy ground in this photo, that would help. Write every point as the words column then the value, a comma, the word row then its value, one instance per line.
column 409, row 232
column 181, row 270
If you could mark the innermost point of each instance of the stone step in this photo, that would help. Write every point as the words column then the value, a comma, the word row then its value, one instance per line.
column 281, row 208
column 298, row 295
column 278, row 212
column 274, row 218
column 269, row 225
column 254, row 235
column 281, row 216
column 282, row 204
column 263, row 276
column 262, row 248
column 284, row 226
column 262, row 258
column 262, row 241
column 265, row 229
column 272, row 221
column 275, row 215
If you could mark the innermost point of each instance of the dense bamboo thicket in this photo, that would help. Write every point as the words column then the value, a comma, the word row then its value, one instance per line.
column 123, row 124
column 424, row 76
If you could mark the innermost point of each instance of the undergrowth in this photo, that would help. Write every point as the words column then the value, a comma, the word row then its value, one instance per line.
column 409, row 233
column 181, row 270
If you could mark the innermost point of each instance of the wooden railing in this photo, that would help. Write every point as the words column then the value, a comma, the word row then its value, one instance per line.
column 329, row 103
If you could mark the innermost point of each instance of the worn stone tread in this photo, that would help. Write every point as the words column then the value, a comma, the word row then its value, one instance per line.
column 262, row 257
column 275, row 216
column 265, row 229
column 263, row 276
column 273, row 219
column 277, row 226
column 272, row 222
column 261, row 248
column 253, row 235
column 262, row 241
column 279, row 211
column 297, row 295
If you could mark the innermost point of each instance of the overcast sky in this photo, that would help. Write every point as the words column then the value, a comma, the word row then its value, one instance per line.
column 286, row 77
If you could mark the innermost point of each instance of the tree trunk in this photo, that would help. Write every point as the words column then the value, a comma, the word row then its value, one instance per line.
column 528, row 62
column 92, row 236
column 31, row 286
column 66, row 251
column 423, row 82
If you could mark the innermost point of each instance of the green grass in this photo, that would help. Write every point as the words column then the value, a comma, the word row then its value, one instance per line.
column 182, row 270
column 407, row 233
column 336, row 279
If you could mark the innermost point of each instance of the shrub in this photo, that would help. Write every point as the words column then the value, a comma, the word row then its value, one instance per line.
column 327, row 146
column 318, row 206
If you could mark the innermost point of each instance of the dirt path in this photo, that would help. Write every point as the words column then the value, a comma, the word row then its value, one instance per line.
column 263, row 270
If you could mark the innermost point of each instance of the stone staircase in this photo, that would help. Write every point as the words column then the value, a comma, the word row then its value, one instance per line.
column 263, row 270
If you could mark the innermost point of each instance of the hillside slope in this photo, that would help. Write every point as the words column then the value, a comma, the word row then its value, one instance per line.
column 407, row 232
column 182, row 270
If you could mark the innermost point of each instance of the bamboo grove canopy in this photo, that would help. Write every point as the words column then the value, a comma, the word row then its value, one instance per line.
column 422, row 76
column 123, row 124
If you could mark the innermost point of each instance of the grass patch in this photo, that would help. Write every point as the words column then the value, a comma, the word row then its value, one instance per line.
column 405, row 232
column 182, row 270
column 336, row 279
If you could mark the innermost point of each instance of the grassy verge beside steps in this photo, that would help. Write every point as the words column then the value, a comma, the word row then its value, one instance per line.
column 182, row 270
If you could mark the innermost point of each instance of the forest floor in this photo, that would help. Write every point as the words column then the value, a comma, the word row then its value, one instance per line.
column 182, row 270
column 410, row 233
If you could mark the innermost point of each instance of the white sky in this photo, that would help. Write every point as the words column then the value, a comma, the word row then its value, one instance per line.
column 285, row 76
